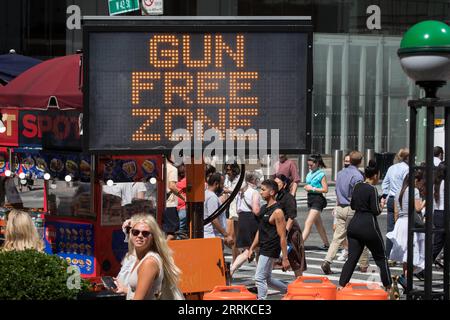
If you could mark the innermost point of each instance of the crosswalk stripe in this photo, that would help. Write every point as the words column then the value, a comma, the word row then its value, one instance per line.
column 371, row 265
column 314, row 269
column 330, row 277
column 372, row 270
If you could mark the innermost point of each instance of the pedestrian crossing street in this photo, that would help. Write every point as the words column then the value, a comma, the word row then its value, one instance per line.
column 314, row 258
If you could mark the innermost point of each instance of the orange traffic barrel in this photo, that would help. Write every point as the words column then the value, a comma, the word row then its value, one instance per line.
column 229, row 293
column 313, row 285
column 362, row 291
column 303, row 296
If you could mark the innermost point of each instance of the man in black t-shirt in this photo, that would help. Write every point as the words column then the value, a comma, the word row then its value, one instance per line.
column 271, row 238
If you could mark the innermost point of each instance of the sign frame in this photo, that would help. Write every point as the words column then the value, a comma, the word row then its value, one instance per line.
column 166, row 24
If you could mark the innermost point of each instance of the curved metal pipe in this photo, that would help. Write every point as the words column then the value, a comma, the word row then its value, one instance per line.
column 227, row 202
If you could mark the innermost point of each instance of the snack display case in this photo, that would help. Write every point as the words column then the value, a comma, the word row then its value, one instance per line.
column 124, row 186
column 85, row 216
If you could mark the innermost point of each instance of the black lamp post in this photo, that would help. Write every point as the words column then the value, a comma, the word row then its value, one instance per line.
column 425, row 57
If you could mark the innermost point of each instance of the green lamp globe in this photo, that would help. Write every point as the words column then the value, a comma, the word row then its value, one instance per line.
column 425, row 52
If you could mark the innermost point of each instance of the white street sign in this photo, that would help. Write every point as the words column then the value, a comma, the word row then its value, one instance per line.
column 152, row 7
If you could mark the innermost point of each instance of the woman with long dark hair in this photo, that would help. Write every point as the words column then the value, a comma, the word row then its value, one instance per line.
column 363, row 229
column 288, row 204
column 399, row 236
column 316, row 186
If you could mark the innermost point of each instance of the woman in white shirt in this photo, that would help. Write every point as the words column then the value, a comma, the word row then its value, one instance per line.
column 154, row 274
column 399, row 236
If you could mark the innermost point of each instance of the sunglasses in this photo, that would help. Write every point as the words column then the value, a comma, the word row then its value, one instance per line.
column 136, row 232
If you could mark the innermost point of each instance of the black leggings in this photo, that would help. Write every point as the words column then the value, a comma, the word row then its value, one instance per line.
column 363, row 230
column 439, row 237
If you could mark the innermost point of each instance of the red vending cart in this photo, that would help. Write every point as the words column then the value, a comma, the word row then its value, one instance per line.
column 85, row 218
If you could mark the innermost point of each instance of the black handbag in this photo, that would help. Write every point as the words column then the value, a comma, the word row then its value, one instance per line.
column 418, row 221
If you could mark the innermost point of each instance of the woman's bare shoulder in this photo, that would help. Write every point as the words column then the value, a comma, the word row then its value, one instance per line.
column 149, row 264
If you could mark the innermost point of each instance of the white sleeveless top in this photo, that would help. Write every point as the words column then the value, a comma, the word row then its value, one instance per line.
column 245, row 199
column 154, row 292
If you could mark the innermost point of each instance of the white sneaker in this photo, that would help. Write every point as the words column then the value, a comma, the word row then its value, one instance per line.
column 343, row 255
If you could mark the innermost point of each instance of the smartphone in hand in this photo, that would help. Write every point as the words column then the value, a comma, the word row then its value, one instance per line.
column 109, row 283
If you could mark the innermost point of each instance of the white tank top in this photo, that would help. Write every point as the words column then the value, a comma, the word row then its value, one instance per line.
column 245, row 200
column 154, row 292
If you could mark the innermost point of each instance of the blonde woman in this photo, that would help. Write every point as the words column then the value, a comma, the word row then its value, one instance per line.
column 21, row 233
column 154, row 274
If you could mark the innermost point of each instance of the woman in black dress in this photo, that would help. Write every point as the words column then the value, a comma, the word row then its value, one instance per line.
column 363, row 229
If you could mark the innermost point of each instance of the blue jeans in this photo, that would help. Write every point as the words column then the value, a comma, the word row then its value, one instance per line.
column 263, row 277
column 182, row 217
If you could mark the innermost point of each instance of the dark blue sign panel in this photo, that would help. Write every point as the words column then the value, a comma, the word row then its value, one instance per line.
column 72, row 241
column 119, row 246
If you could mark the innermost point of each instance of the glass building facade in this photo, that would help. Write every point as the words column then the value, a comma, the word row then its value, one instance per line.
column 360, row 91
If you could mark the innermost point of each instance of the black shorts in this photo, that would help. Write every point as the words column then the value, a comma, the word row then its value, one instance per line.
column 170, row 220
column 316, row 201
column 247, row 227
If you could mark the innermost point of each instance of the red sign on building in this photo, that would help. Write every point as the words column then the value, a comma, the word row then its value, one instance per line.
column 10, row 138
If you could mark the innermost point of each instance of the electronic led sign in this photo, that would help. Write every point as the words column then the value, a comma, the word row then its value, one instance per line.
column 144, row 85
